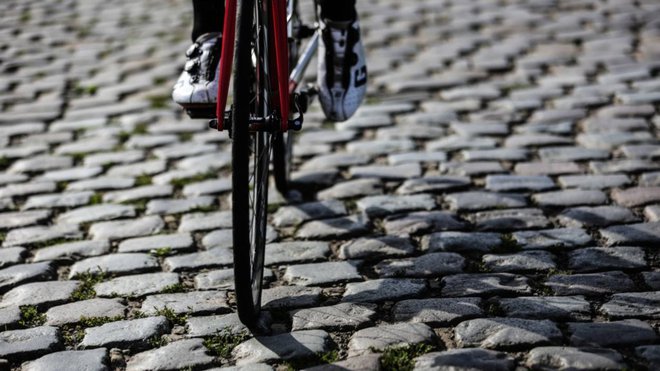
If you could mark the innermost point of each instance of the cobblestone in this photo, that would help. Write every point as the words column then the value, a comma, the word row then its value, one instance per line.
column 321, row 273
column 477, row 359
column 437, row 312
column 590, row 283
column 378, row 338
column 198, row 302
column 506, row 168
column 92, row 360
column 133, row 333
column 506, row 333
column 73, row 312
column 293, row 345
column 343, row 316
column 40, row 294
column 569, row 357
column 640, row 305
column 484, row 284
column 136, row 285
column 555, row 308
column 383, row 289
column 33, row 342
column 179, row 355
column 601, row 258
column 115, row 264
column 607, row 334
column 429, row 265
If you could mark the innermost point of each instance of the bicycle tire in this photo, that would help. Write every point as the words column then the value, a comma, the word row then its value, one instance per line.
column 250, row 183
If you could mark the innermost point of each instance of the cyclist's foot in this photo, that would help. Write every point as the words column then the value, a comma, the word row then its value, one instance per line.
column 342, row 73
column 197, row 87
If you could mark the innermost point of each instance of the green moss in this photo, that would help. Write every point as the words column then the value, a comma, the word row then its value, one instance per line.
column 203, row 209
column 555, row 271
column 140, row 128
column 308, row 362
column 158, row 101
column 139, row 314
column 143, row 180
column 508, row 244
column 124, row 136
column 72, row 335
column 140, row 205
column 157, row 341
column 401, row 358
column 161, row 252
column 78, row 158
column 30, row 316
column 159, row 80
column 4, row 162
column 96, row 199
column 56, row 241
column 87, row 280
column 224, row 341
column 81, row 90
column 173, row 317
column 180, row 182
column 98, row 321
column 372, row 100
column 61, row 186
column 25, row 16
column 172, row 289
column 493, row 309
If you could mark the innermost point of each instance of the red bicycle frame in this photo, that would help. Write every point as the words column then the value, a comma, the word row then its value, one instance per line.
column 279, row 44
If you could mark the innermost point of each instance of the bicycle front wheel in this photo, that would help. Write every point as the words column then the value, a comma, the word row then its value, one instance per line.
column 250, row 161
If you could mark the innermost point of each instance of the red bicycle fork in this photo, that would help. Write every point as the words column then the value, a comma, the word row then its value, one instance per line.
column 279, row 48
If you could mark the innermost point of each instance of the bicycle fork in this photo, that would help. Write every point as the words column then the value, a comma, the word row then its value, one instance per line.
column 287, row 85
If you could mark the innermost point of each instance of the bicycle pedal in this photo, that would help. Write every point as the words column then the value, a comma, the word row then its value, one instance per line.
column 201, row 113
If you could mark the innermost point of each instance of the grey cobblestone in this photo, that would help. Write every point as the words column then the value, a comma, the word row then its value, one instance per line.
column 115, row 264
column 297, row 344
column 17, row 344
column 92, row 360
column 72, row 313
column 178, row 355
column 428, row 265
column 321, row 273
column 600, row 334
column 383, row 289
column 590, row 283
column 40, row 294
column 477, row 359
column 437, row 312
column 378, row 338
column 484, row 284
column 336, row 317
column 568, row 357
column 125, row 333
column 507, row 168
column 506, row 333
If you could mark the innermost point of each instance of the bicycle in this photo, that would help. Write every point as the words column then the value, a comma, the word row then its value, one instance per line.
column 261, row 39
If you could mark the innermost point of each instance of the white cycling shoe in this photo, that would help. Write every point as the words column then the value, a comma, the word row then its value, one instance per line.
column 197, row 87
column 342, row 69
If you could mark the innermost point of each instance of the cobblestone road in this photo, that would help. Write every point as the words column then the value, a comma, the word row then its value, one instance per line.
column 495, row 204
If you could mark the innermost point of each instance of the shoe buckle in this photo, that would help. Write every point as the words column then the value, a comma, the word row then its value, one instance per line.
column 192, row 50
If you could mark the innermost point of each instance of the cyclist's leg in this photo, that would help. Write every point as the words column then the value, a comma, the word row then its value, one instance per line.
column 207, row 17
column 338, row 10
column 197, row 87
column 342, row 69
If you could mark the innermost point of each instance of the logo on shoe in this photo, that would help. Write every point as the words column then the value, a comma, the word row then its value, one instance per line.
column 361, row 76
